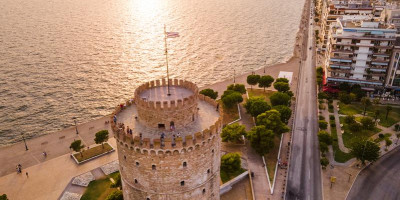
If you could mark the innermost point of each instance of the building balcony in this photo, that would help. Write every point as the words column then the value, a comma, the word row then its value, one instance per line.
column 368, row 37
column 339, row 70
column 380, row 63
column 363, row 52
column 345, row 60
column 364, row 45
column 342, row 51
column 340, row 65
column 354, row 81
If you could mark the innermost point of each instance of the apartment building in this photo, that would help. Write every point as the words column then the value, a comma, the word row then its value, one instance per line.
column 360, row 52
column 393, row 75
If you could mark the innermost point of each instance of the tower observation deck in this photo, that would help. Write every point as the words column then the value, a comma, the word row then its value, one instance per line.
column 168, row 145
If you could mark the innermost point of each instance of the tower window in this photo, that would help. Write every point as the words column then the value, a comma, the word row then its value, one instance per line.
column 184, row 164
column 204, row 191
column 147, row 198
column 212, row 151
column 124, row 157
column 162, row 126
column 137, row 163
column 136, row 180
column 182, row 183
column 208, row 171
column 153, row 167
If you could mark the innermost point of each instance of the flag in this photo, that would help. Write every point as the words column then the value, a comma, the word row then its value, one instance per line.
column 172, row 34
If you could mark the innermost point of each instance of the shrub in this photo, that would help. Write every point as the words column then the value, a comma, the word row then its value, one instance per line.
column 116, row 195
column 333, row 125
column 331, row 117
column 349, row 119
column 238, row 88
column 330, row 106
column 233, row 132
column 231, row 98
column 210, row 93
column 231, row 162
column 284, row 80
column 324, row 162
column 118, row 182
column 323, row 147
column 381, row 135
column 323, row 124
column 355, row 127
column 368, row 123
column 324, row 137
column 285, row 112
column 321, row 117
column 3, row 197
column 322, row 95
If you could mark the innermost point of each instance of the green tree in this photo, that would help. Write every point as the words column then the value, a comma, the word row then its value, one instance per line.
column 320, row 71
column 388, row 109
column 346, row 98
column 358, row 91
column 3, row 197
column 100, row 137
column 210, row 93
column 376, row 114
column 281, row 86
column 365, row 102
column 233, row 132
column 325, row 137
column 319, row 82
column 116, row 195
column 253, row 79
column 345, row 87
column 368, row 123
column 322, row 95
column 355, row 127
column 323, row 124
column 77, row 146
column 231, row 98
column 265, row 81
column 237, row 87
column 285, row 112
column 256, row 105
column 284, row 80
column 279, row 98
column 261, row 139
column 376, row 101
column 272, row 121
column 231, row 162
column 365, row 150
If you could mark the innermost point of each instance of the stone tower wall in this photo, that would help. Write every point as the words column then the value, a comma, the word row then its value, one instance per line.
column 180, row 111
column 200, row 151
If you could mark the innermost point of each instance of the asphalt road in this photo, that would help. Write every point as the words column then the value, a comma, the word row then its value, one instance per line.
column 304, row 178
column 380, row 180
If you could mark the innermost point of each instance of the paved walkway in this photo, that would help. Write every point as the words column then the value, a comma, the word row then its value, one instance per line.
column 255, row 163
column 338, row 128
column 48, row 179
column 55, row 144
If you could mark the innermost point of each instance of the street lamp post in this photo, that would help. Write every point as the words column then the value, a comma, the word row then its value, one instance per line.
column 26, row 146
column 76, row 126
column 234, row 74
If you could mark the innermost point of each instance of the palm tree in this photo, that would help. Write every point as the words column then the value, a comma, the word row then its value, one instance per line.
column 388, row 109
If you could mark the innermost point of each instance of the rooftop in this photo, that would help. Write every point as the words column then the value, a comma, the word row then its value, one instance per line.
column 161, row 93
column 207, row 116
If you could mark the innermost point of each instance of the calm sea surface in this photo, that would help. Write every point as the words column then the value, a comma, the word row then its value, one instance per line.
column 79, row 58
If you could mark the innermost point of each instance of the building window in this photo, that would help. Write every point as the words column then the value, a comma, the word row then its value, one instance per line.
column 184, row 164
column 204, row 191
column 153, row 167
column 136, row 180
column 137, row 163
column 182, row 183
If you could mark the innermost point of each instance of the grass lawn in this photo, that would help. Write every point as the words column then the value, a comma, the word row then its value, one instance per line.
column 271, row 158
column 260, row 92
column 340, row 156
column 230, row 115
column 357, row 108
column 92, row 152
column 225, row 177
column 349, row 136
column 99, row 189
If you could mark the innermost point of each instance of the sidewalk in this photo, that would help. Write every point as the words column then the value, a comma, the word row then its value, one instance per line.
column 338, row 128
column 47, row 180
column 55, row 144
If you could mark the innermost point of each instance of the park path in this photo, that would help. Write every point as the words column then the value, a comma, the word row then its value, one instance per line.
column 254, row 162
column 338, row 127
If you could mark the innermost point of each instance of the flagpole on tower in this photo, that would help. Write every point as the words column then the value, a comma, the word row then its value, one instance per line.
column 166, row 57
